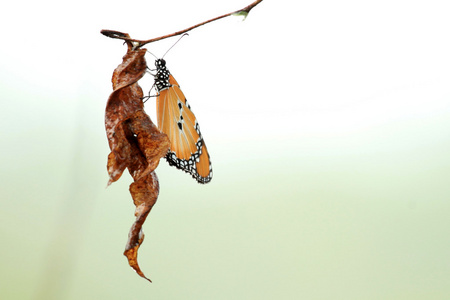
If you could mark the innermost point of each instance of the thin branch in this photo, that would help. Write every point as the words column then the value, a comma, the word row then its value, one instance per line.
column 139, row 43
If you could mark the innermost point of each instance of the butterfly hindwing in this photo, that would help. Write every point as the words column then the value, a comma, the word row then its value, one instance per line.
column 188, row 151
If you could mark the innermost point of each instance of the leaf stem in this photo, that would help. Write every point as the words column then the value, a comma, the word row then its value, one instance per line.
column 139, row 43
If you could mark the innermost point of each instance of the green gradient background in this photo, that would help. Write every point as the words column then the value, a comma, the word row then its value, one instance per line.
column 331, row 157
column 362, row 216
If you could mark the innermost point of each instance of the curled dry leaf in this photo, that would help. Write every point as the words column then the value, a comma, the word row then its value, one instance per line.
column 135, row 143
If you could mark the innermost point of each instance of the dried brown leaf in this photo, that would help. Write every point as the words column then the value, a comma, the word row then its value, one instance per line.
column 135, row 143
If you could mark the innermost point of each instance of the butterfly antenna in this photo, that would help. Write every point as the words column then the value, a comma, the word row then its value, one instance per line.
column 152, row 54
column 174, row 44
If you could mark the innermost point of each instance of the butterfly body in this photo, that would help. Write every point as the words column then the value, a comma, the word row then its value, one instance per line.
column 175, row 118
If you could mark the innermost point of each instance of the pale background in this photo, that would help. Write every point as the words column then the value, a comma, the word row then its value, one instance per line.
column 328, row 124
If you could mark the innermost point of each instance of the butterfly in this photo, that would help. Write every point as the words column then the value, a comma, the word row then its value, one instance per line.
column 187, row 151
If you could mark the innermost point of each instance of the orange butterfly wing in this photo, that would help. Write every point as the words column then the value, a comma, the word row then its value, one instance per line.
column 188, row 151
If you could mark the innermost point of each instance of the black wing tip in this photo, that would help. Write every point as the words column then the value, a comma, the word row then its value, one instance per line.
column 189, row 169
column 203, row 180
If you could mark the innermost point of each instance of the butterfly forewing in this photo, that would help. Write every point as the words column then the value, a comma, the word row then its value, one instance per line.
column 175, row 118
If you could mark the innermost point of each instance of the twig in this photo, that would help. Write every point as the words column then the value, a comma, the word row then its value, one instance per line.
column 139, row 43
